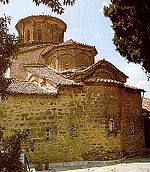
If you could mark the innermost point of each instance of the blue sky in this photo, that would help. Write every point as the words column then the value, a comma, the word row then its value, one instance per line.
column 86, row 24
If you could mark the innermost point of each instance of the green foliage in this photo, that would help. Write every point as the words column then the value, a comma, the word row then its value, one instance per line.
column 131, row 25
column 55, row 5
column 11, row 148
column 8, row 49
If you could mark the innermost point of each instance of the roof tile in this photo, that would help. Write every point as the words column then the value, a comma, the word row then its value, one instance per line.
column 20, row 87
column 53, row 77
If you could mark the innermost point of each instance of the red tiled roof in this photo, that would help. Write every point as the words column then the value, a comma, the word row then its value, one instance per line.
column 71, row 42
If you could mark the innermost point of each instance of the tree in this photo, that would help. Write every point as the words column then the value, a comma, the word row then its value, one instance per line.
column 131, row 25
column 55, row 5
column 8, row 49
column 11, row 147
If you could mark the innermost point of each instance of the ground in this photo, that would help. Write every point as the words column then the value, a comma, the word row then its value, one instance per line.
column 130, row 165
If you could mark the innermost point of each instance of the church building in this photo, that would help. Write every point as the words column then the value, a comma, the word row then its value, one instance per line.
column 74, row 108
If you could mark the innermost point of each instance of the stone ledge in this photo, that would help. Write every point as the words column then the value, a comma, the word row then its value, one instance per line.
column 79, row 164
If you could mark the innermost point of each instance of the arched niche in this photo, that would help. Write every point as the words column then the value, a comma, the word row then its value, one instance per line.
column 83, row 60
column 104, row 74
column 65, row 62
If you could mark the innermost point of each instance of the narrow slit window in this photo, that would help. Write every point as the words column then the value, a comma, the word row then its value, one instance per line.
column 47, row 134
column 111, row 125
column 131, row 127
column 28, row 35
column 73, row 131
column 66, row 65
column 39, row 35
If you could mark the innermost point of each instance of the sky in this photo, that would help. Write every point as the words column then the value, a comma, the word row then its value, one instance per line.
column 87, row 24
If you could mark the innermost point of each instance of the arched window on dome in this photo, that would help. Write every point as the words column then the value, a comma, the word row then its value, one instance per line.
column 60, row 40
column 39, row 35
column 28, row 35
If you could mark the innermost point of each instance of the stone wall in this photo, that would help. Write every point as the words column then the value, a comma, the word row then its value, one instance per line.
column 88, row 123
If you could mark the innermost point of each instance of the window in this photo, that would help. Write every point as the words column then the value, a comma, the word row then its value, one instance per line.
column 111, row 125
column 82, row 65
column 47, row 134
column 131, row 128
column 28, row 35
column 66, row 65
column 39, row 35
column 60, row 40
column 73, row 131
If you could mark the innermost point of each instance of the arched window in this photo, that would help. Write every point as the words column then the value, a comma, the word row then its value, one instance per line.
column 66, row 65
column 73, row 131
column 28, row 35
column 39, row 35
column 131, row 127
column 47, row 134
column 60, row 40
column 82, row 65
column 111, row 125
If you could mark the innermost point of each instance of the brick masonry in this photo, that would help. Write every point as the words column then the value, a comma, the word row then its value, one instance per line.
column 78, row 122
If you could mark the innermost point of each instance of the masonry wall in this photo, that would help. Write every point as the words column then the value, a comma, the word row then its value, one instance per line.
column 90, row 123
column 132, row 123
column 29, row 56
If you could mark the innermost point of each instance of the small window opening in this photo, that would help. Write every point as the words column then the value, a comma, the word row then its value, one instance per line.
column 111, row 125
column 28, row 35
column 82, row 64
column 39, row 35
column 73, row 131
column 131, row 128
column 60, row 40
column 66, row 66
column 47, row 134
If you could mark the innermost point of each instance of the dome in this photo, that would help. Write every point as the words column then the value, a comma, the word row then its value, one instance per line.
column 41, row 29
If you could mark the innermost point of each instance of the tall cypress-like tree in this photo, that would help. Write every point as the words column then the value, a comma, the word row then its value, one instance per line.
column 131, row 25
